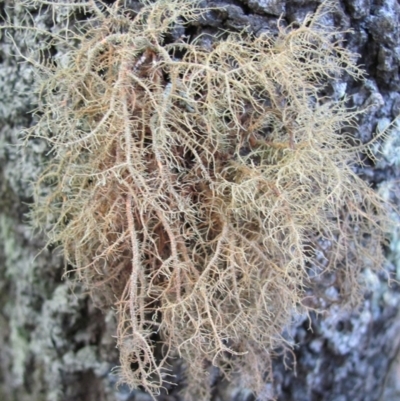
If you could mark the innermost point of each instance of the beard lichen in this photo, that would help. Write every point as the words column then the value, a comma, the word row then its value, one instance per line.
column 193, row 187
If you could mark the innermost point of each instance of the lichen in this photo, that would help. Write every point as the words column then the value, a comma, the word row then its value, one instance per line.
column 194, row 187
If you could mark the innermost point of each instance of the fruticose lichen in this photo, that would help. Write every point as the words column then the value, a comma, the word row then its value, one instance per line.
column 199, row 189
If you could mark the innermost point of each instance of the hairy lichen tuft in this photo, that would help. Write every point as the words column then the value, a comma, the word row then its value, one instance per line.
column 200, row 189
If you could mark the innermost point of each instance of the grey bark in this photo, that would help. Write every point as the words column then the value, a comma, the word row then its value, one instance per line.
column 57, row 346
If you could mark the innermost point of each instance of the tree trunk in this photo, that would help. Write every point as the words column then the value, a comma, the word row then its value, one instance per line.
column 57, row 346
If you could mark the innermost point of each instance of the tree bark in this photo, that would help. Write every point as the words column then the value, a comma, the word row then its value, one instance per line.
column 57, row 346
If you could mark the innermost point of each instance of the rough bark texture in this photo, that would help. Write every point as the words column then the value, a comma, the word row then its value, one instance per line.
column 57, row 346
